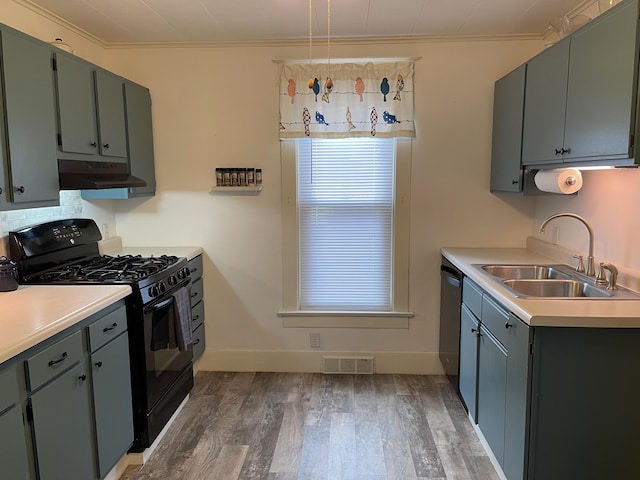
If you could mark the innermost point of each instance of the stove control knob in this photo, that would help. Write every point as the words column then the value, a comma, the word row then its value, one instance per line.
column 161, row 287
column 172, row 280
column 153, row 291
column 183, row 273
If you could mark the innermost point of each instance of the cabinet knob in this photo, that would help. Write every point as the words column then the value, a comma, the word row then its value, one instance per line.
column 515, row 182
column 98, row 364
column 93, row 144
column 0, row 190
column 476, row 331
column 82, row 377
column 508, row 325
column 106, row 145
column 565, row 151
column 20, row 189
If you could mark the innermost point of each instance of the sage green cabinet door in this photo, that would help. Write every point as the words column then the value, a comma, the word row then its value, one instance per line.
column 111, row 118
column 517, row 397
column 506, row 145
column 30, row 119
column 600, row 95
column 76, row 107
column 62, row 428
column 492, row 382
column 140, row 137
column 13, row 452
column 468, row 377
column 112, row 402
column 544, row 105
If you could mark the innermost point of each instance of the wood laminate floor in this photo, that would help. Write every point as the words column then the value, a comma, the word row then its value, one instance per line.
column 286, row 426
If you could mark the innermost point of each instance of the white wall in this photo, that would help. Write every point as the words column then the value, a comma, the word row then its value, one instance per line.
column 219, row 107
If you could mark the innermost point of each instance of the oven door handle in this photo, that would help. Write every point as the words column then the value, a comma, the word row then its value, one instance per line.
column 159, row 306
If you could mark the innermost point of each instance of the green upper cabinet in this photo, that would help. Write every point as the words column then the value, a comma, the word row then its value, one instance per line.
column 111, row 119
column 76, row 105
column 508, row 111
column 545, row 99
column 29, row 148
column 602, row 86
column 140, row 137
column 90, row 111
column 580, row 101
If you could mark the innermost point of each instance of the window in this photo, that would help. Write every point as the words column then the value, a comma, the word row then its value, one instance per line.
column 345, row 220
column 345, row 223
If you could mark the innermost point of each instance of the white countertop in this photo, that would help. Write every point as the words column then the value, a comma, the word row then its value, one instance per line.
column 113, row 246
column 581, row 312
column 34, row 313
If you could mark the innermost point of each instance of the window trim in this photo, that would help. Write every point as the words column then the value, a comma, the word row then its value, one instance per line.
column 399, row 316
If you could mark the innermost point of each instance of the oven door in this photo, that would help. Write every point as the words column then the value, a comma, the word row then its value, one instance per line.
column 164, row 361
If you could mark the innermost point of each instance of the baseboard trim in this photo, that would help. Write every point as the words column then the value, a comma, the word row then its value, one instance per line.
column 302, row 361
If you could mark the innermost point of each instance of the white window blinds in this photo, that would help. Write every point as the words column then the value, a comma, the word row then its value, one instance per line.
column 345, row 208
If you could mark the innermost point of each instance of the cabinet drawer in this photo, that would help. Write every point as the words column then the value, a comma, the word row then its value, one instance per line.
column 54, row 360
column 107, row 328
column 196, row 292
column 198, row 342
column 496, row 319
column 472, row 297
column 197, row 315
column 195, row 267
column 8, row 387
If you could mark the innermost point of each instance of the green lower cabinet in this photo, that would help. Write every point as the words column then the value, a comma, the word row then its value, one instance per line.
column 584, row 404
column 468, row 377
column 111, row 379
column 62, row 430
column 13, row 452
column 492, row 382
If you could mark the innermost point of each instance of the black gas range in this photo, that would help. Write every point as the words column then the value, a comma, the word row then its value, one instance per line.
column 66, row 252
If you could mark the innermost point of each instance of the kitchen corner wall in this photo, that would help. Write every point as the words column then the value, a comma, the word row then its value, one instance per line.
column 217, row 106
column 608, row 200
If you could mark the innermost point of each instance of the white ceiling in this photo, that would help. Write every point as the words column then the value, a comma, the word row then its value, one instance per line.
column 153, row 21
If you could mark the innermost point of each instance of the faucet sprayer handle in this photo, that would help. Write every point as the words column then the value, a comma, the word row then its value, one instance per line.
column 580, row 266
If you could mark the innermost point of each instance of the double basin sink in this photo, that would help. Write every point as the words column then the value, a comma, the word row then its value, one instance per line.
column 551, row 281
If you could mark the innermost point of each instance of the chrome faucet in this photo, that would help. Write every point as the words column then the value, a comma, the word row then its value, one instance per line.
column 591, row 270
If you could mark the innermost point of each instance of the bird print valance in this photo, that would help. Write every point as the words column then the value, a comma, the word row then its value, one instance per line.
column 346, row 100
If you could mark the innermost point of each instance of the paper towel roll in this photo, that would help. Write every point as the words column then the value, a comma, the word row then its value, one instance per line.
column 559, row 180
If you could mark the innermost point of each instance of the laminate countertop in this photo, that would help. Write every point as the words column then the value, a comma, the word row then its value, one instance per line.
column 577, row 312
column 34, row 313
column 114, row 246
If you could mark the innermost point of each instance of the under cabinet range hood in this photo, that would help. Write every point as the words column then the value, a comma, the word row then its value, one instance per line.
column 86, row 175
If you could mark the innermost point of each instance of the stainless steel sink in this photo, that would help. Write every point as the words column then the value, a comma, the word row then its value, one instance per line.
column 525, row 271
column 555, row 288
column 551, row 281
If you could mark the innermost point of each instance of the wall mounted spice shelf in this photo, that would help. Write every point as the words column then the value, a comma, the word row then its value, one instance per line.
column 248, row 190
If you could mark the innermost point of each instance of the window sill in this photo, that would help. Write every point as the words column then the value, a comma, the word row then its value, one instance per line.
column 313, row 319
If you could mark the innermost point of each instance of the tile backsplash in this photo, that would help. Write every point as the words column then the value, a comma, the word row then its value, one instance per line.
column 70, row 206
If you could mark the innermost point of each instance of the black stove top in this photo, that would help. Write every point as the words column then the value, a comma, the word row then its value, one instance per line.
column 107, row 269
column 65, row 252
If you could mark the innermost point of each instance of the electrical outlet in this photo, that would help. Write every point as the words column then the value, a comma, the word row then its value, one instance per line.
column 105, row 231
column 314, row 340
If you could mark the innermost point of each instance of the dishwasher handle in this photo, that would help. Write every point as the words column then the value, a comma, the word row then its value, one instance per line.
column 453, row 277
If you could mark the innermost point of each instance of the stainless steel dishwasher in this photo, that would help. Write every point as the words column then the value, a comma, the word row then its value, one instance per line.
column 450, row 304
